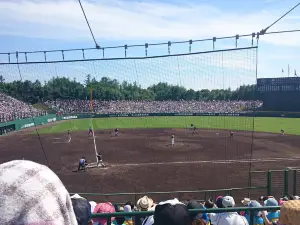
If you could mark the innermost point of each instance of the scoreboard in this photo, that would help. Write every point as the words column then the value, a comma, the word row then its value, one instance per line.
column 278, row 84
column 280, row 94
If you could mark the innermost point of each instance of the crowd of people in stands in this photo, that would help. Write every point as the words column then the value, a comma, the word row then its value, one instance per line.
column 109, row 107
column 12, row 109
column 33, row 194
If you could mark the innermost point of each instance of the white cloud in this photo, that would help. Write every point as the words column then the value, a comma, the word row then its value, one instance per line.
column 135, row 20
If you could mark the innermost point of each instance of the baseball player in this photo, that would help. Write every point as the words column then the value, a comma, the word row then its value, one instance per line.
column 231, row 134
column 90, row 130
column 82, row 164
column 116, row 132
column 172, row 139
column 282, row 132
column 69, row 135
column 99, row 159
column 194, row 130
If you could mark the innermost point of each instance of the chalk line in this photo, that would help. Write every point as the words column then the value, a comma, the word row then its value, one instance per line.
column 232, row 161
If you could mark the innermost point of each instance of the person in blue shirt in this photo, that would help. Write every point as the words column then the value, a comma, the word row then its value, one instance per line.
column 258, row 220
column 82, row 164
column 273, row 215
column 199, row 218
column 90, row 130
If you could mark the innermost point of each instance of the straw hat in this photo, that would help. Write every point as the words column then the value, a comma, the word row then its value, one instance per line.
column 144, row 203
column 246, row 201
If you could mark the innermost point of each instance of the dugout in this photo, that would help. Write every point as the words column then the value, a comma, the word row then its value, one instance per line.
column 7, row 129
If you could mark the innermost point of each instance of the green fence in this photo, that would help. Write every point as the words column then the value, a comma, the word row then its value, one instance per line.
column 251, row 212
column 245, row 114
column 277, row 183
column 26, row 123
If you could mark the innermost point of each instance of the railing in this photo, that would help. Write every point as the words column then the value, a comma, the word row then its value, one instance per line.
column 277, row 183
column 193, row 211
column 181, row 195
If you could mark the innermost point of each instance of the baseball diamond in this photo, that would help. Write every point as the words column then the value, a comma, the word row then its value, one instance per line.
column 193, row 163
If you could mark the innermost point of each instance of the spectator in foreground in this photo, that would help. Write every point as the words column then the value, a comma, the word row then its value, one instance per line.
column 227, row 218
column 33, row 194
column 82, row 209
column 219, row 201
column 168, row 214
column 144, row 204
column 131, row 205
column 258, row 220
column 245, row 203
column 128, row 219
column 150, row 219
column 120, row 219
column 209, row 204
column 200, row 218
column 93, row 205
column 273, row 215
column 106, row 207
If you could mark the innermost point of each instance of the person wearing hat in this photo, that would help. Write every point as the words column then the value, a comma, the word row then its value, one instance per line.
column 106, row 207
column 128, row 219
column 219, row 202
column 258, row 220
column 227, row 218
column 168, row 214
column 143, row 204
column 245, row 202
column 82, row 210
column 199, row 218
column 209, row 204
column 273, row 215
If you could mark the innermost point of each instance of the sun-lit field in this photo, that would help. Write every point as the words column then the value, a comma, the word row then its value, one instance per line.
column 261, row 124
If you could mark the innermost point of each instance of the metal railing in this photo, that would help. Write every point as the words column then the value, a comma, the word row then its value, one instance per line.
column 277, row 183
column 202, row 195
column 251, row 211
column 273, row 182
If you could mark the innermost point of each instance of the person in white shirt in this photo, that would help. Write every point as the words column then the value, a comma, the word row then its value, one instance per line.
column 227, row 218
column 172, row 139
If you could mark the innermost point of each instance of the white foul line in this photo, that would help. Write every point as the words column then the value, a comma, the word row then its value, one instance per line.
column 230, row 161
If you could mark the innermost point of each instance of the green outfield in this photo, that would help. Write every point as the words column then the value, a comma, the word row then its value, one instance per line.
column 262, row 124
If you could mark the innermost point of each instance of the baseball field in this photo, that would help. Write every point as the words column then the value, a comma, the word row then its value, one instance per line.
column 259, row 124
column 141, row 158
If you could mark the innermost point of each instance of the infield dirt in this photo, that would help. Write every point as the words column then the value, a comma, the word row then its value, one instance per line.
column 141, row 160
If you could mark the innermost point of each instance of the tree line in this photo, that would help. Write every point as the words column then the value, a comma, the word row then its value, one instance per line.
column 112, row 89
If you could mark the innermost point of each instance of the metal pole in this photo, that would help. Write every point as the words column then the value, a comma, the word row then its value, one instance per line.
column 286, row 182
column 295, row 182
column 269, row 184
column 251, row 218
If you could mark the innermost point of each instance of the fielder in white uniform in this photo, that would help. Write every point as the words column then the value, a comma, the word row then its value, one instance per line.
column 172, row 139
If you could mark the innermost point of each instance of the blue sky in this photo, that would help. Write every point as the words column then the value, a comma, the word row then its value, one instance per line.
column 59, row 24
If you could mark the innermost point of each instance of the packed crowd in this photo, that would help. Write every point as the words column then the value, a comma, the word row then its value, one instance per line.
column 33, row 194
column 108, row 107
column 12, row 109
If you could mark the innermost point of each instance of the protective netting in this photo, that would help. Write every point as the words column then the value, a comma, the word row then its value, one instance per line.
column 209, row 91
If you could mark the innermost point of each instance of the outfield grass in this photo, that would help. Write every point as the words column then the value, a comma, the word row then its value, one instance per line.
column 263, row 124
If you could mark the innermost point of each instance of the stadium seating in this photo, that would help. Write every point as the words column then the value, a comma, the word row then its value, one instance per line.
column 108, row 107
column 12, row 109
